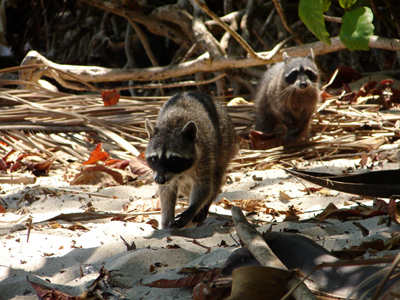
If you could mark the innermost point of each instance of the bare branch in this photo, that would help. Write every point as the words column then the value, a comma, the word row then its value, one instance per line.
column 202, row 63
column 234, row 34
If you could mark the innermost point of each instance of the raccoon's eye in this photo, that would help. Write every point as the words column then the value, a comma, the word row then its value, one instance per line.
column 292, row 77
column 174, row 159
column 311, row 75
column 153, row 159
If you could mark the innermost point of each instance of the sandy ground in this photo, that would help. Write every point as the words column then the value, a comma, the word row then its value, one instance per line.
column 58, row 256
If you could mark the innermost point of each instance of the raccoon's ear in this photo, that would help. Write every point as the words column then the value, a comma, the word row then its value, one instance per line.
column 285, row 56
column 151, row 129
column 311, row 55
column 190, row 131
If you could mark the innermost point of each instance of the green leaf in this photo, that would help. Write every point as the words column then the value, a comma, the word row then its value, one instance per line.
column 325, row 5
column 346, row 4
column 311, row 13
column 357, row 28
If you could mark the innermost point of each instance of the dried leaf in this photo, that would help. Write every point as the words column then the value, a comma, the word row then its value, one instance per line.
column 139, row 166
column 284, row 197
column 394, row 210
column 345, row 75
column 257, row 282
column 174, row 246
column 110, row 97
column 393, row 242
column 191, row 280
column 98, row 154
column 364, row 231
column 41, row 168
column 47, row 293
column 262, row 141
column 98, row 175
column 117, row 164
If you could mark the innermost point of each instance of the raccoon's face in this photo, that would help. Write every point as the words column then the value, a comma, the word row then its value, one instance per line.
column 171, row 152
column 300, row 72
column 301, row 77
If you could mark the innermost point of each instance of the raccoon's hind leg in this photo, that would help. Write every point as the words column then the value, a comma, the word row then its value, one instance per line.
column 168, row 195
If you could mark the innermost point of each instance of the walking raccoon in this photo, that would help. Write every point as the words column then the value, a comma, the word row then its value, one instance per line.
column 189, row 150
column 287, row 97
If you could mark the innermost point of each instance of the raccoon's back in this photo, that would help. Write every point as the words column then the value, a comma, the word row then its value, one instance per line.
column 214, row 125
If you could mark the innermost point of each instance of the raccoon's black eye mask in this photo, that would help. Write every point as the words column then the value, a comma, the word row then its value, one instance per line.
column 174, row 164
column 292, row 77
column 294, row 74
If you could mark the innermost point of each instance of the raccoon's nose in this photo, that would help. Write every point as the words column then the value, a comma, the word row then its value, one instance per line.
column 160, row 180
column 303, row 84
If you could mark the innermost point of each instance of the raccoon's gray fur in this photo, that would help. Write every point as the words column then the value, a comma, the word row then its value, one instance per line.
column 287, row 97
column 189, row 150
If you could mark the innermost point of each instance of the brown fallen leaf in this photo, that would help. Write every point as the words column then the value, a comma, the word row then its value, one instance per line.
column 47, row 293
column 394, row 209
column 139, row 166
column 98, row 175
column 284, row 197
column 364, row 231
column 262, row 141
column 331, row 211
column 257, row 282
column 191, row 280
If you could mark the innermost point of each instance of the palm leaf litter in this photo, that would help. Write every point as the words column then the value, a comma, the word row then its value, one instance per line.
column 64, row 128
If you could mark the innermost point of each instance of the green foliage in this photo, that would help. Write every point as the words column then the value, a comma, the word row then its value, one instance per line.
column 357, row 28
column 311, row 13
column 346, row 4
column 325, row 5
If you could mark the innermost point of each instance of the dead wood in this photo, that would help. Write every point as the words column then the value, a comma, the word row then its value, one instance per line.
column 65, row 74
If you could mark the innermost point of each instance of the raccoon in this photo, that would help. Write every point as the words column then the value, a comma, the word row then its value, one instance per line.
column 189, row 150
column 287, row 97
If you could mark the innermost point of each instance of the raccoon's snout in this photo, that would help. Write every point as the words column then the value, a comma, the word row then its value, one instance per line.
column 303, row 84
column 160, row 179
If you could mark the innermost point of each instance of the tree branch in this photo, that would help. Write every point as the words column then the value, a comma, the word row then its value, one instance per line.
column 202, row 63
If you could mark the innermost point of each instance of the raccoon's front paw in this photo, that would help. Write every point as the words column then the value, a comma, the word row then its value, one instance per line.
column 201, row 215
column 181, row 220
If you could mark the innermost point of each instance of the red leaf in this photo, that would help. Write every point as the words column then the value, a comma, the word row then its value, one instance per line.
column 262, row 141
column 191, row 280
column 98, row 154
column 345, row 75
column 3, row 165
column 47, row 293
column 110, row 97
column 324, row 95
column 2, row 209
column 117, row 164
column 365, row 89
column 387, row 82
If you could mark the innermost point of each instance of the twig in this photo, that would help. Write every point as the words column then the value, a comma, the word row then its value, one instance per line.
column 279, row 9
column 234, row 34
